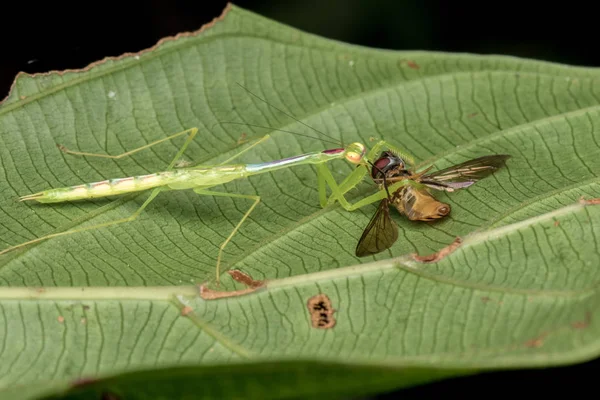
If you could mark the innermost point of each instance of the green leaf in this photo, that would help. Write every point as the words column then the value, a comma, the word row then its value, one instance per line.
column 518, row 291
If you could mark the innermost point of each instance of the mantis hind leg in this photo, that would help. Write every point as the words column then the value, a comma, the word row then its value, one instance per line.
column 154, row 193
column 237, row 227
column 89, row 228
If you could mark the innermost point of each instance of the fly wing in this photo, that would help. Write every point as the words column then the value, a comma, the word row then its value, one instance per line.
column 380, row 234
column 465, row 174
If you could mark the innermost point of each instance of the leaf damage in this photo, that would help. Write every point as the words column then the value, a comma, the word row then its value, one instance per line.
column 587, row 320
column 246, row 279
column 239, row 276
column 410, row 64
column 435, row 257
column 539, row 340
column 444, row 252
column 321, row 311
column 536, row 342
column 186, row 310
column 487, row 299
column 590, row 202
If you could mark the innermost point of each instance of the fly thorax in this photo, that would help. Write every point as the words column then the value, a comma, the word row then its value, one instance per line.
column 388, row 165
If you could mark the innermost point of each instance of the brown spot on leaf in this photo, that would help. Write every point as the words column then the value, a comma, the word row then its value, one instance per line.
column 239, row 276
column 589, row 202
column 537, row 341
column 410, row 64
column 210, row 294
column 556, row 223
column 186, row 310
column 435, row 257
column 321, row 312
column 243, row 138
column 486, row 299
column 83, row 321
column 61, row 319
column 244, row 278
column 84, row 381
column 583, row 324
column 472, row 115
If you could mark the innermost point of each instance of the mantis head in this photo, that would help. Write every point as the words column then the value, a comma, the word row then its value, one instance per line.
column 355, row 153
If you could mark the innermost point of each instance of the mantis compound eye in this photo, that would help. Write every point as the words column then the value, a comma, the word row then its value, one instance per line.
column 355, row 153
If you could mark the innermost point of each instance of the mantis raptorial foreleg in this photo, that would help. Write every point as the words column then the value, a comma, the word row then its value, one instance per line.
column 354, row 178
column 326, row 178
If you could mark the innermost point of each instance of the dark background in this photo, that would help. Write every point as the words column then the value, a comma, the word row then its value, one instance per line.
column 61, row 35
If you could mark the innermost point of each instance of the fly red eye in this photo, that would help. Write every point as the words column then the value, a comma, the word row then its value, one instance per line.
column 379, row 167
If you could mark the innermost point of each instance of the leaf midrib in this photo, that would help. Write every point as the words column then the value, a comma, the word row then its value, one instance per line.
column 404, row 262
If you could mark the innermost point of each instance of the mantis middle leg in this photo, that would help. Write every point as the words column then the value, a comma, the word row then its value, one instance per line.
column 235, row 229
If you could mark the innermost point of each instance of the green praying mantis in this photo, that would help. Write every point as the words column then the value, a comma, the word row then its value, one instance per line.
column 202, row 178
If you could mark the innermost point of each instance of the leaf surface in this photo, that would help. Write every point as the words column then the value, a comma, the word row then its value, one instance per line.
column 519, row 289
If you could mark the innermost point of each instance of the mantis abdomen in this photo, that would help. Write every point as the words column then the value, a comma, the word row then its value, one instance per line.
column 105, row 188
